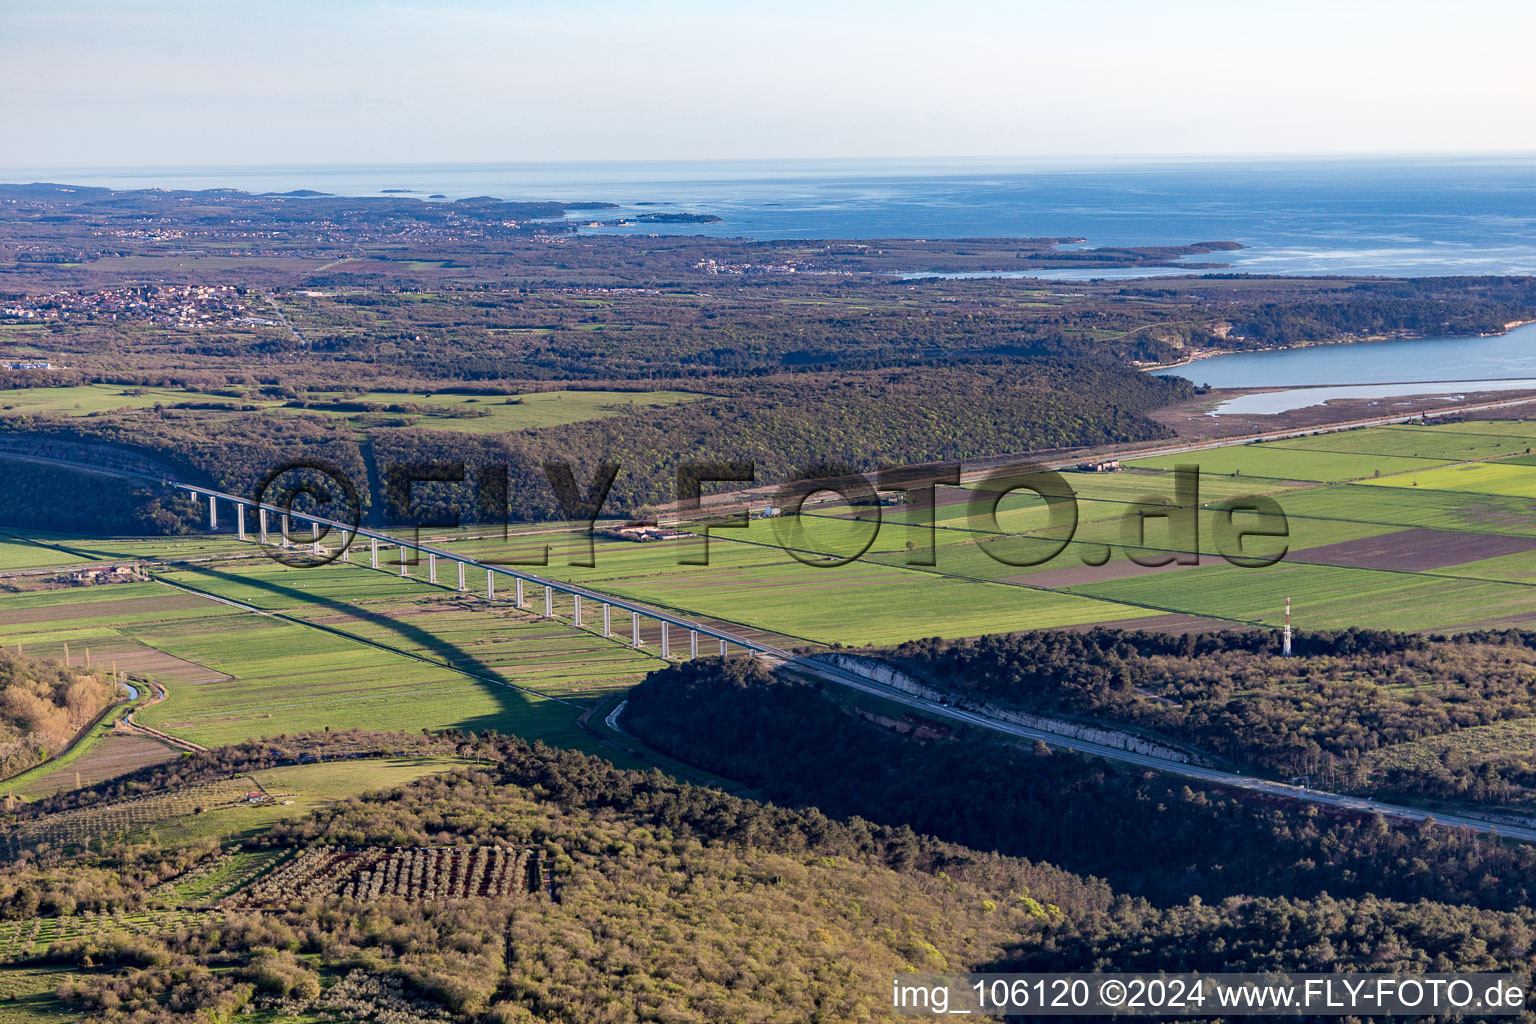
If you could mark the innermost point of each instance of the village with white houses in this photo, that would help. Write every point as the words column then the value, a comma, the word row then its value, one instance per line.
column 189, row 306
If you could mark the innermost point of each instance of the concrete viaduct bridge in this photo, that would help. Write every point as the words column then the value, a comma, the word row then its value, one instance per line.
column 604, row 607
column 439, row 560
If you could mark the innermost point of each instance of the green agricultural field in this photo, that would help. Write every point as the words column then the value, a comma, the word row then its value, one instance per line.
column 289, row 676
column 496, row 414
column 981, row 558
column 864, row 603
column 1503, row 428
column 480, row 414
column 1415, row 507
column 40, row 548
column 1498, row 478
column 1447, row 443
column 1516, row 568
column 1132, row 486
column 20, row 555
column 751, row 581
column 337, row 645
column 1282, row 463
column 86, row 399
column 1325, row 597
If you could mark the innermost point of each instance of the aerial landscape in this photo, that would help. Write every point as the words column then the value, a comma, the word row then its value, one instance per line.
column 637, row 552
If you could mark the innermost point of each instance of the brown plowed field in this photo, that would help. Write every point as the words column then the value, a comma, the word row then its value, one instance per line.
column 116, row 753
column 1414, row 550
column 99, row 609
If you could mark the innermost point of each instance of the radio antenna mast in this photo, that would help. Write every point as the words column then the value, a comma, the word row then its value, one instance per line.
column 1286, row 636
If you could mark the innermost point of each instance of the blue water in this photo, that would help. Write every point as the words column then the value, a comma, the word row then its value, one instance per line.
column 1369, row 370
column 1501, row 357
column 1399, row 217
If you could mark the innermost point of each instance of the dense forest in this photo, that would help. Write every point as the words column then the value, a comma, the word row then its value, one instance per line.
column 863, row 422
column 43, row 705
column 671, row 902
column 89, row 504
column 1147, row 832
column 1330, row 712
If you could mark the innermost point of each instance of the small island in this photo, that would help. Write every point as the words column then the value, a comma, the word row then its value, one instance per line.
column 664, row 218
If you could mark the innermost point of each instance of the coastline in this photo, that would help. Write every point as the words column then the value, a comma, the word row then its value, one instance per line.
column 1209, row 353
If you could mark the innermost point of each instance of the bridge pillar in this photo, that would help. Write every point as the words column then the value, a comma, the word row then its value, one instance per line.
column 373, row 552
column 634, row 629
column 693, row 643
column 261, row 522
column 461, row 575
column 287, row 529
column 666, row 642
column 490, row 583
column 723, row 651
column 405, row 565
column 549, row 603
column 431, row 567
column 346, row 545
column 577, row 598
column 518, row 603
column 240, row 521
column 213, row 512
column 607, row 620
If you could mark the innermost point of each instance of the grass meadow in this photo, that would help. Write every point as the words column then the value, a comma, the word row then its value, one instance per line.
column 478, row 414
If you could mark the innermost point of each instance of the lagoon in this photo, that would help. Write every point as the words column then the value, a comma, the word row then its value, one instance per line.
column 1373, row 369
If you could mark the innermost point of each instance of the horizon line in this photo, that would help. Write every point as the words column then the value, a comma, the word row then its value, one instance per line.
column 1085, row 158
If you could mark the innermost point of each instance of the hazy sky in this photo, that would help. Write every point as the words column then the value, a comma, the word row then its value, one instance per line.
column 210, row 82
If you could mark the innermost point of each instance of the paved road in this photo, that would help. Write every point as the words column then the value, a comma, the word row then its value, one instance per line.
column 1280, row 435
column 934, row 709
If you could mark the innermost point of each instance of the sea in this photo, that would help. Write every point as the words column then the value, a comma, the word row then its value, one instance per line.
column 1402, row 216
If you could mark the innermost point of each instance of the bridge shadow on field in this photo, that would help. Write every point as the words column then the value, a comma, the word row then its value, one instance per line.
column 522, row 712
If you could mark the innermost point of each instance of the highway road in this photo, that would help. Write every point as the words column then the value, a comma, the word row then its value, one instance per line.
column 1290, row 432
column 820, row 670
column 1215, row 776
